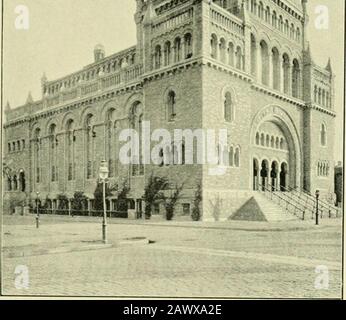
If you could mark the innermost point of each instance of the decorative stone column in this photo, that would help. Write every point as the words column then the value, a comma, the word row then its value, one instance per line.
column 258, row 63
column 270, row 67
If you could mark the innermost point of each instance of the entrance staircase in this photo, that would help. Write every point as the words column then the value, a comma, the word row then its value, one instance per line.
column 293, row 203
column 271, row 210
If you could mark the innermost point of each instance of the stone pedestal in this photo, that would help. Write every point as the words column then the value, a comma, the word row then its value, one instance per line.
column 26, row 211
column 132, row 215
column 18, row 211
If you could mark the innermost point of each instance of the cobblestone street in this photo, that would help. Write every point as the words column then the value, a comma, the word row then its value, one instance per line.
column 210, row 260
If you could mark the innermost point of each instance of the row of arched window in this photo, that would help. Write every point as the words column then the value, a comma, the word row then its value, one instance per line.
column 322, row 97
column 109, row 66
column 323, row 169
column 14, row 146
column 274, row 69
column 112, row 131
column 172, row 52
column 227, row 52
column 323, row 135
column 229, row 156
column 265, row 140
column 275, row 20
column 16, row 183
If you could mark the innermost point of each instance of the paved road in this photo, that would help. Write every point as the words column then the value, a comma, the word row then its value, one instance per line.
column 183, row 262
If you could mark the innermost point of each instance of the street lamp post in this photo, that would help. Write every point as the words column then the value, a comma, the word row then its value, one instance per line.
column 103, row 173
column 37, row 211
column 317, row 197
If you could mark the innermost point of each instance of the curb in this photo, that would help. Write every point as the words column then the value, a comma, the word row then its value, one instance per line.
column 41, row 252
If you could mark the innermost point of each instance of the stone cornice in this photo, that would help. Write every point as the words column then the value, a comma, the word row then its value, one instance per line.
column 72, row 105
column 314, row 106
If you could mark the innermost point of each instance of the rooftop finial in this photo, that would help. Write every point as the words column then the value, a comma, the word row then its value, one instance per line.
column 329, row 66
column 99, row 52
column 29, row 99
column 7, row 107
column 150, row 13
column 44, row 78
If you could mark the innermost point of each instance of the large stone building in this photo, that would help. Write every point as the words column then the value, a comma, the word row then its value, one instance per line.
column 243, row 65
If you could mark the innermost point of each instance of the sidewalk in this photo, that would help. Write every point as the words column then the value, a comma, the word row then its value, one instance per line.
column 181, row 222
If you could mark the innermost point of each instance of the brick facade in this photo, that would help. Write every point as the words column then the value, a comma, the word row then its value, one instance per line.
column 281, row 118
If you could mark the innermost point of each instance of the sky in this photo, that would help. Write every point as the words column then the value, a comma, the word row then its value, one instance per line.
column 63, row 33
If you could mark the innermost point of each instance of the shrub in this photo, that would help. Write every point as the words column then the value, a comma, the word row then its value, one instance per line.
column 196, row 211
column 153, row 192
column 171, row 202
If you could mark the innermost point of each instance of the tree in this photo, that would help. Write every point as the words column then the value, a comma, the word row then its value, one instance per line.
column 196, row 211
column 79, row 198
column 152, row 192
column 170, row 202
column 122, row 197
column 98, row 194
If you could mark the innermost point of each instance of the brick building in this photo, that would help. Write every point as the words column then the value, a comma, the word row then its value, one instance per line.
column 243, row 65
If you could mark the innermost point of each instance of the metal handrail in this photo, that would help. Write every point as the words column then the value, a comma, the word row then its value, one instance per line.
column 322, row 204
column 286, row 199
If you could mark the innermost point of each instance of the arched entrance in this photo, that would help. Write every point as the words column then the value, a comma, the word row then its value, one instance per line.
column 274, row 176
column 256, row 172
column 274, row 138
column 284, row 181
column 264, row 175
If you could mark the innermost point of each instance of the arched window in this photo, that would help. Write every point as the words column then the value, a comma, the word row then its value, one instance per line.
column 315, row 93
column 282, row 143
column 15, row 183
column 253, row 55
column 136, row 119
column 277, row 143
column 110, row 141
column 323, row 135
column 228, row 107
column 213, row 46
column 231, row 157
column 239, row 58
column 262, row 139
column 281, row 24
column 171, row 106
column 323, row 98
column 37, row 154
column 274, row 20
column 319, row 96
column 276, row 68
column 231, row 54
column 298, row 35
column 286, row 71
column 267, row 140
column 292, row 31
column 272, row 142
column 295, row 79
column 167, row 53
column 327, row 100
column 9, row 184
column 90, row 146
column 70, row 145
column 53, row 142
column 177, row 49
column 223, row 50
column 22, row 181
column 188, row 45
column 286, row 27
column 157, row 57
column 237, row 158
column 267, row 15
column 260, row 10
column 257, row 138
column 265, row 62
